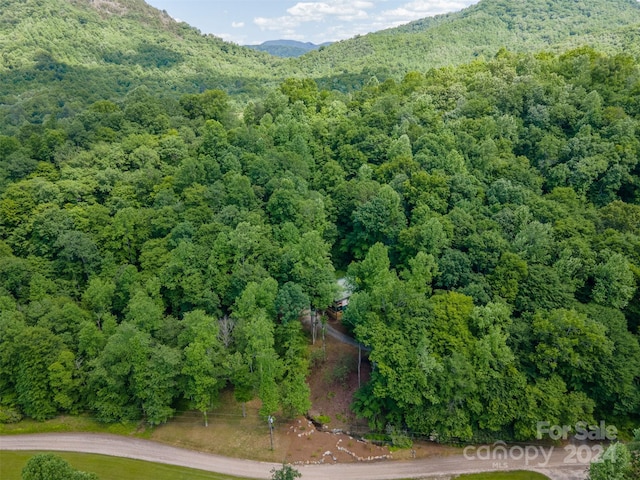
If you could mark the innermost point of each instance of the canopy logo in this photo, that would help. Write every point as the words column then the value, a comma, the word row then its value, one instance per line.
column 500, row 453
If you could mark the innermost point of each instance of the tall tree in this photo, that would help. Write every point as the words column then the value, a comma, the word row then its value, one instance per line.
column 204, row 366
column 37, row 349
column 255, row 340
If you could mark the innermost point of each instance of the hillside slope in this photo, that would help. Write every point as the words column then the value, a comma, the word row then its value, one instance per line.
column 479, row 30
column 94, row 49
column 84, row 50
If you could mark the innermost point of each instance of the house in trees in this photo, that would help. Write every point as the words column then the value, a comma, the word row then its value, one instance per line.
column 340, row 301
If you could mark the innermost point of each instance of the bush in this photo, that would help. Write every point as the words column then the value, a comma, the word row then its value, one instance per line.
column 340, row 372
column 398, row 437
column 47, row 466
column 316, row 358
column 322, row 419
column 287, row 472
column 9, row 415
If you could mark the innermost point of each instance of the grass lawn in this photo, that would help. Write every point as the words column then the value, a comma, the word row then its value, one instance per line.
column 515, row 475
column 70, row 423
column 108, row 468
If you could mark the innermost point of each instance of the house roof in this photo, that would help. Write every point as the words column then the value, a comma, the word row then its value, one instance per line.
column 344, row 289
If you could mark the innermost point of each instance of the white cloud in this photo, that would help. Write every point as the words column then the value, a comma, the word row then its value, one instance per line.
column 278, row 23
column 318, row 11
column 227, row 37
column 342, row 32
column 237, row 24
column 340, row 19
column 423, row 8
column 301, row 12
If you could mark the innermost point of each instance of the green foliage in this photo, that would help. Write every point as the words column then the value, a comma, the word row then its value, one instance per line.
column 287, row 472
column 97, row 52
column 47, row 466
column 291, row 302
column 37, row 348
column 9, row 415
column 614, row 464
column 399, row 438
column 322, row 419
column 134, row 377
column 634, row 450
column 204, row 360
column 479, row 31
column 614, row 282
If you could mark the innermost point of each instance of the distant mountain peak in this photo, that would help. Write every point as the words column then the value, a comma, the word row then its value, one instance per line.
column 287, row 48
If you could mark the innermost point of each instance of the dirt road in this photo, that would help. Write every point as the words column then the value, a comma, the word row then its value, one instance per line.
column 556, row 466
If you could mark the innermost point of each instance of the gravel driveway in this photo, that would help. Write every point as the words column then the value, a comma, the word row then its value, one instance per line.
column 434, row 467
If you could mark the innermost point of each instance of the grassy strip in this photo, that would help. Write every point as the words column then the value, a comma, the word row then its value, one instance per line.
column 515, row 475
column 108, row 468
column 70, row 423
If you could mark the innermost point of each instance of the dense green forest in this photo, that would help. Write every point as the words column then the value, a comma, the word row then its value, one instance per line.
column 487, row 215
column 157, row 247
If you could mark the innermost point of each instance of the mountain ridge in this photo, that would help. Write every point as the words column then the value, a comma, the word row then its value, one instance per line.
column 478, row 30
column 54, row 51
column 287, row 48
column 128, row 38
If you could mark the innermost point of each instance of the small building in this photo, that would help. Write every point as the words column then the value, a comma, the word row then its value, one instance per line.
column 341, row 301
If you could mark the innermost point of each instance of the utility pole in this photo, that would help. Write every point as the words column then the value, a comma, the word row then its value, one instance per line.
column 270, row 420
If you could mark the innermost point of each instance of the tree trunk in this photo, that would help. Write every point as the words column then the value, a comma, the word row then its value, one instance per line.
column 244, row 410
column 206, row 420
column 359, row 362
column 324, row 345
column 313, row 326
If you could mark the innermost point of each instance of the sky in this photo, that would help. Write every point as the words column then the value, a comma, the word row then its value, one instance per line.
column 248, row 22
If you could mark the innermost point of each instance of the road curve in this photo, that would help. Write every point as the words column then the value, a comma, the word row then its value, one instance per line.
column 556, row 467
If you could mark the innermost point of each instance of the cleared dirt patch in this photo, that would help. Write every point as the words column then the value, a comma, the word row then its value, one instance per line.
column 334, row 381
column 231, row 434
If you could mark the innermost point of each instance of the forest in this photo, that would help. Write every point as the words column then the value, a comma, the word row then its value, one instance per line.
column 157, row 248
column 487, row 216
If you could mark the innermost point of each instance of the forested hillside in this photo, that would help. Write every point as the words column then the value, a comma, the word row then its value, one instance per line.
column 154, row 252
column 480, row 31
column 61, row 55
